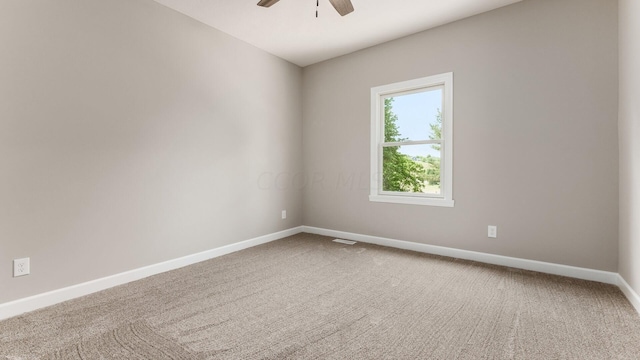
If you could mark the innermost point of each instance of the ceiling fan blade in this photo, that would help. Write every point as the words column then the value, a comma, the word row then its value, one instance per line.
column 267, row 3
column 343, row 7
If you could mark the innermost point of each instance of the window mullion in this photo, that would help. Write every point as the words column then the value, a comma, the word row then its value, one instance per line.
column 415, row 142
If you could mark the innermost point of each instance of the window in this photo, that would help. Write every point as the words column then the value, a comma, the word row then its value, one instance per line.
column 412, row 141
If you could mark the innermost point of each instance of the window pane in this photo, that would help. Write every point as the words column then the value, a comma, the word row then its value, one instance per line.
column 411, row 168
column 414, row 116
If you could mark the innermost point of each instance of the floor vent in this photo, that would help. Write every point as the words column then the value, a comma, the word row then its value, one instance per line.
column 348, row 242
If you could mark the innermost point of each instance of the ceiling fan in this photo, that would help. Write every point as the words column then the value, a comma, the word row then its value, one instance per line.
column 343, row 7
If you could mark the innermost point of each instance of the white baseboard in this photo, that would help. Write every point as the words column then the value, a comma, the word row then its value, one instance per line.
column 633, row 296
column 35, row 302
column 544, row 267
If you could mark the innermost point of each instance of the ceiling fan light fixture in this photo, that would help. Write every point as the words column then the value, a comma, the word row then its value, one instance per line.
column 343, row 7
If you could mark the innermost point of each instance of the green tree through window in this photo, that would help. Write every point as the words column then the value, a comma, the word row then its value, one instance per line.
column 400, row 172
column 433, row 163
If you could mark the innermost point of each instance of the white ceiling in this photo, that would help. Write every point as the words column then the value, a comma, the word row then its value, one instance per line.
column 290, row 30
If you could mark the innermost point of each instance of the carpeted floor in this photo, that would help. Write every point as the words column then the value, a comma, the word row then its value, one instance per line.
column 307, row 297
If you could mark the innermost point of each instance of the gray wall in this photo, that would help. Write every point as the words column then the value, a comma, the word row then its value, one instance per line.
column 535, row 134
column 629, row 124
column 131, row 134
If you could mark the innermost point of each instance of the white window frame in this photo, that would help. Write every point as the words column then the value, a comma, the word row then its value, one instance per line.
column 378, row 94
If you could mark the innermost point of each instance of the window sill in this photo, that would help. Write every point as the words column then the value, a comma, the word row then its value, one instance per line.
column 411, row 200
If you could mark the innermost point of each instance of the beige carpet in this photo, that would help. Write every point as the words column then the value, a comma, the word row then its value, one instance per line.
column 307, row 297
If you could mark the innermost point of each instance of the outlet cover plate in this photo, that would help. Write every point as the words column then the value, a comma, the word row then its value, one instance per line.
column 21, row 267
column 492, row 231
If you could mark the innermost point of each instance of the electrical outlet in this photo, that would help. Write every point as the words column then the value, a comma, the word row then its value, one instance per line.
column 492, row 231
column 21, row 267
column 284, row 214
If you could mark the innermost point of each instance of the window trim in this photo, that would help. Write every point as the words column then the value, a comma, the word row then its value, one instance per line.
column 378, row 94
